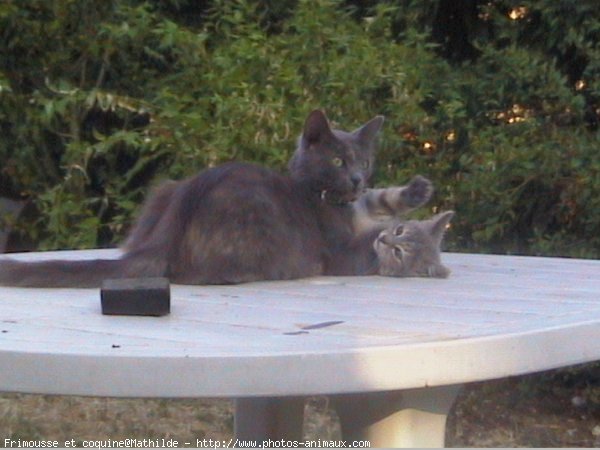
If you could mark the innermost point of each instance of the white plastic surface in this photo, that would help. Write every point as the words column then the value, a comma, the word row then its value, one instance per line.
column 495, row 316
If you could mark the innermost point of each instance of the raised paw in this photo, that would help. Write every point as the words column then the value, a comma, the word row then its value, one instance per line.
column 417, row 192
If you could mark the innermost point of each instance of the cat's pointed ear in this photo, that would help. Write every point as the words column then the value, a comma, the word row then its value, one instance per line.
column 439, row 224
column 316, row 128
column 438, row 271
column 368, row 132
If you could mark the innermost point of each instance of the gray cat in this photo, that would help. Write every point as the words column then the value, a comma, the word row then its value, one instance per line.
column 241, row 222
column 412, row 248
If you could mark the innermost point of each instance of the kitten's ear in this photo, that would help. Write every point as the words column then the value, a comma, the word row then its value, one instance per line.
column 316, row 128
column 438, row 271
column 439, row 223
column 368, row 132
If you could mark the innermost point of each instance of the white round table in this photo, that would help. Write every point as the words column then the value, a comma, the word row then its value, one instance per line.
column 391, row 352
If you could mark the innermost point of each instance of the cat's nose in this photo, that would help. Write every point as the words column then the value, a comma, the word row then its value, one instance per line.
column 385, row 238
column 356, row 180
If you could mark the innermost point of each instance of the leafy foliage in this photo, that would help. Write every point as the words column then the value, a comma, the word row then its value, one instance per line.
column 497, row 102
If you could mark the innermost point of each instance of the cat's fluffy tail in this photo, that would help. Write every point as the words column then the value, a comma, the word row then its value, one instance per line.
column 67, row 273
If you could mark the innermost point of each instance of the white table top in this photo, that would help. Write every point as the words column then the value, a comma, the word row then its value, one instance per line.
column 495, row 316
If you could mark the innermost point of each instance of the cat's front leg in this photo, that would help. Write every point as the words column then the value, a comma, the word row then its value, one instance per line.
column 416, row 193
column 377, row 208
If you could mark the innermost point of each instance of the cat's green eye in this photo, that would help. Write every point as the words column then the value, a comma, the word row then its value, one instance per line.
column 365, row 165
column 337, row 162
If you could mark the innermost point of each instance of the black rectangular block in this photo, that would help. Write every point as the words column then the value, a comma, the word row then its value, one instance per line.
column 136, row 296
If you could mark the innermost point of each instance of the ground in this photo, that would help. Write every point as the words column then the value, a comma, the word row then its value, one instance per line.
column 553, row 409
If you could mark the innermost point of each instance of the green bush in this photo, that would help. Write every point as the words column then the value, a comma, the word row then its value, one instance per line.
column 497, row 102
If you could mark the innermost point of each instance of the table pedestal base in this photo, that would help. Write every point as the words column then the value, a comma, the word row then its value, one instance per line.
column 409, row 418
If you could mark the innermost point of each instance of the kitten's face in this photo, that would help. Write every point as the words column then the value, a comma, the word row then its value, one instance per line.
column 335, row 163
column 412, row 248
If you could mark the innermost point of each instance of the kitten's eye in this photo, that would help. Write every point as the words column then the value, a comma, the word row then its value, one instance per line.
column 337, row 162
column 365, row 165
column 399, row 230
column 398, row 253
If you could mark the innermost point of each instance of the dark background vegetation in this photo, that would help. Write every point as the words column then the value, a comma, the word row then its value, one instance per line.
column 496, row 101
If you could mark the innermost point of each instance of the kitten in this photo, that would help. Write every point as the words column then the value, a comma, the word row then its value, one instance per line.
column 241, row 222
column 412, row 248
